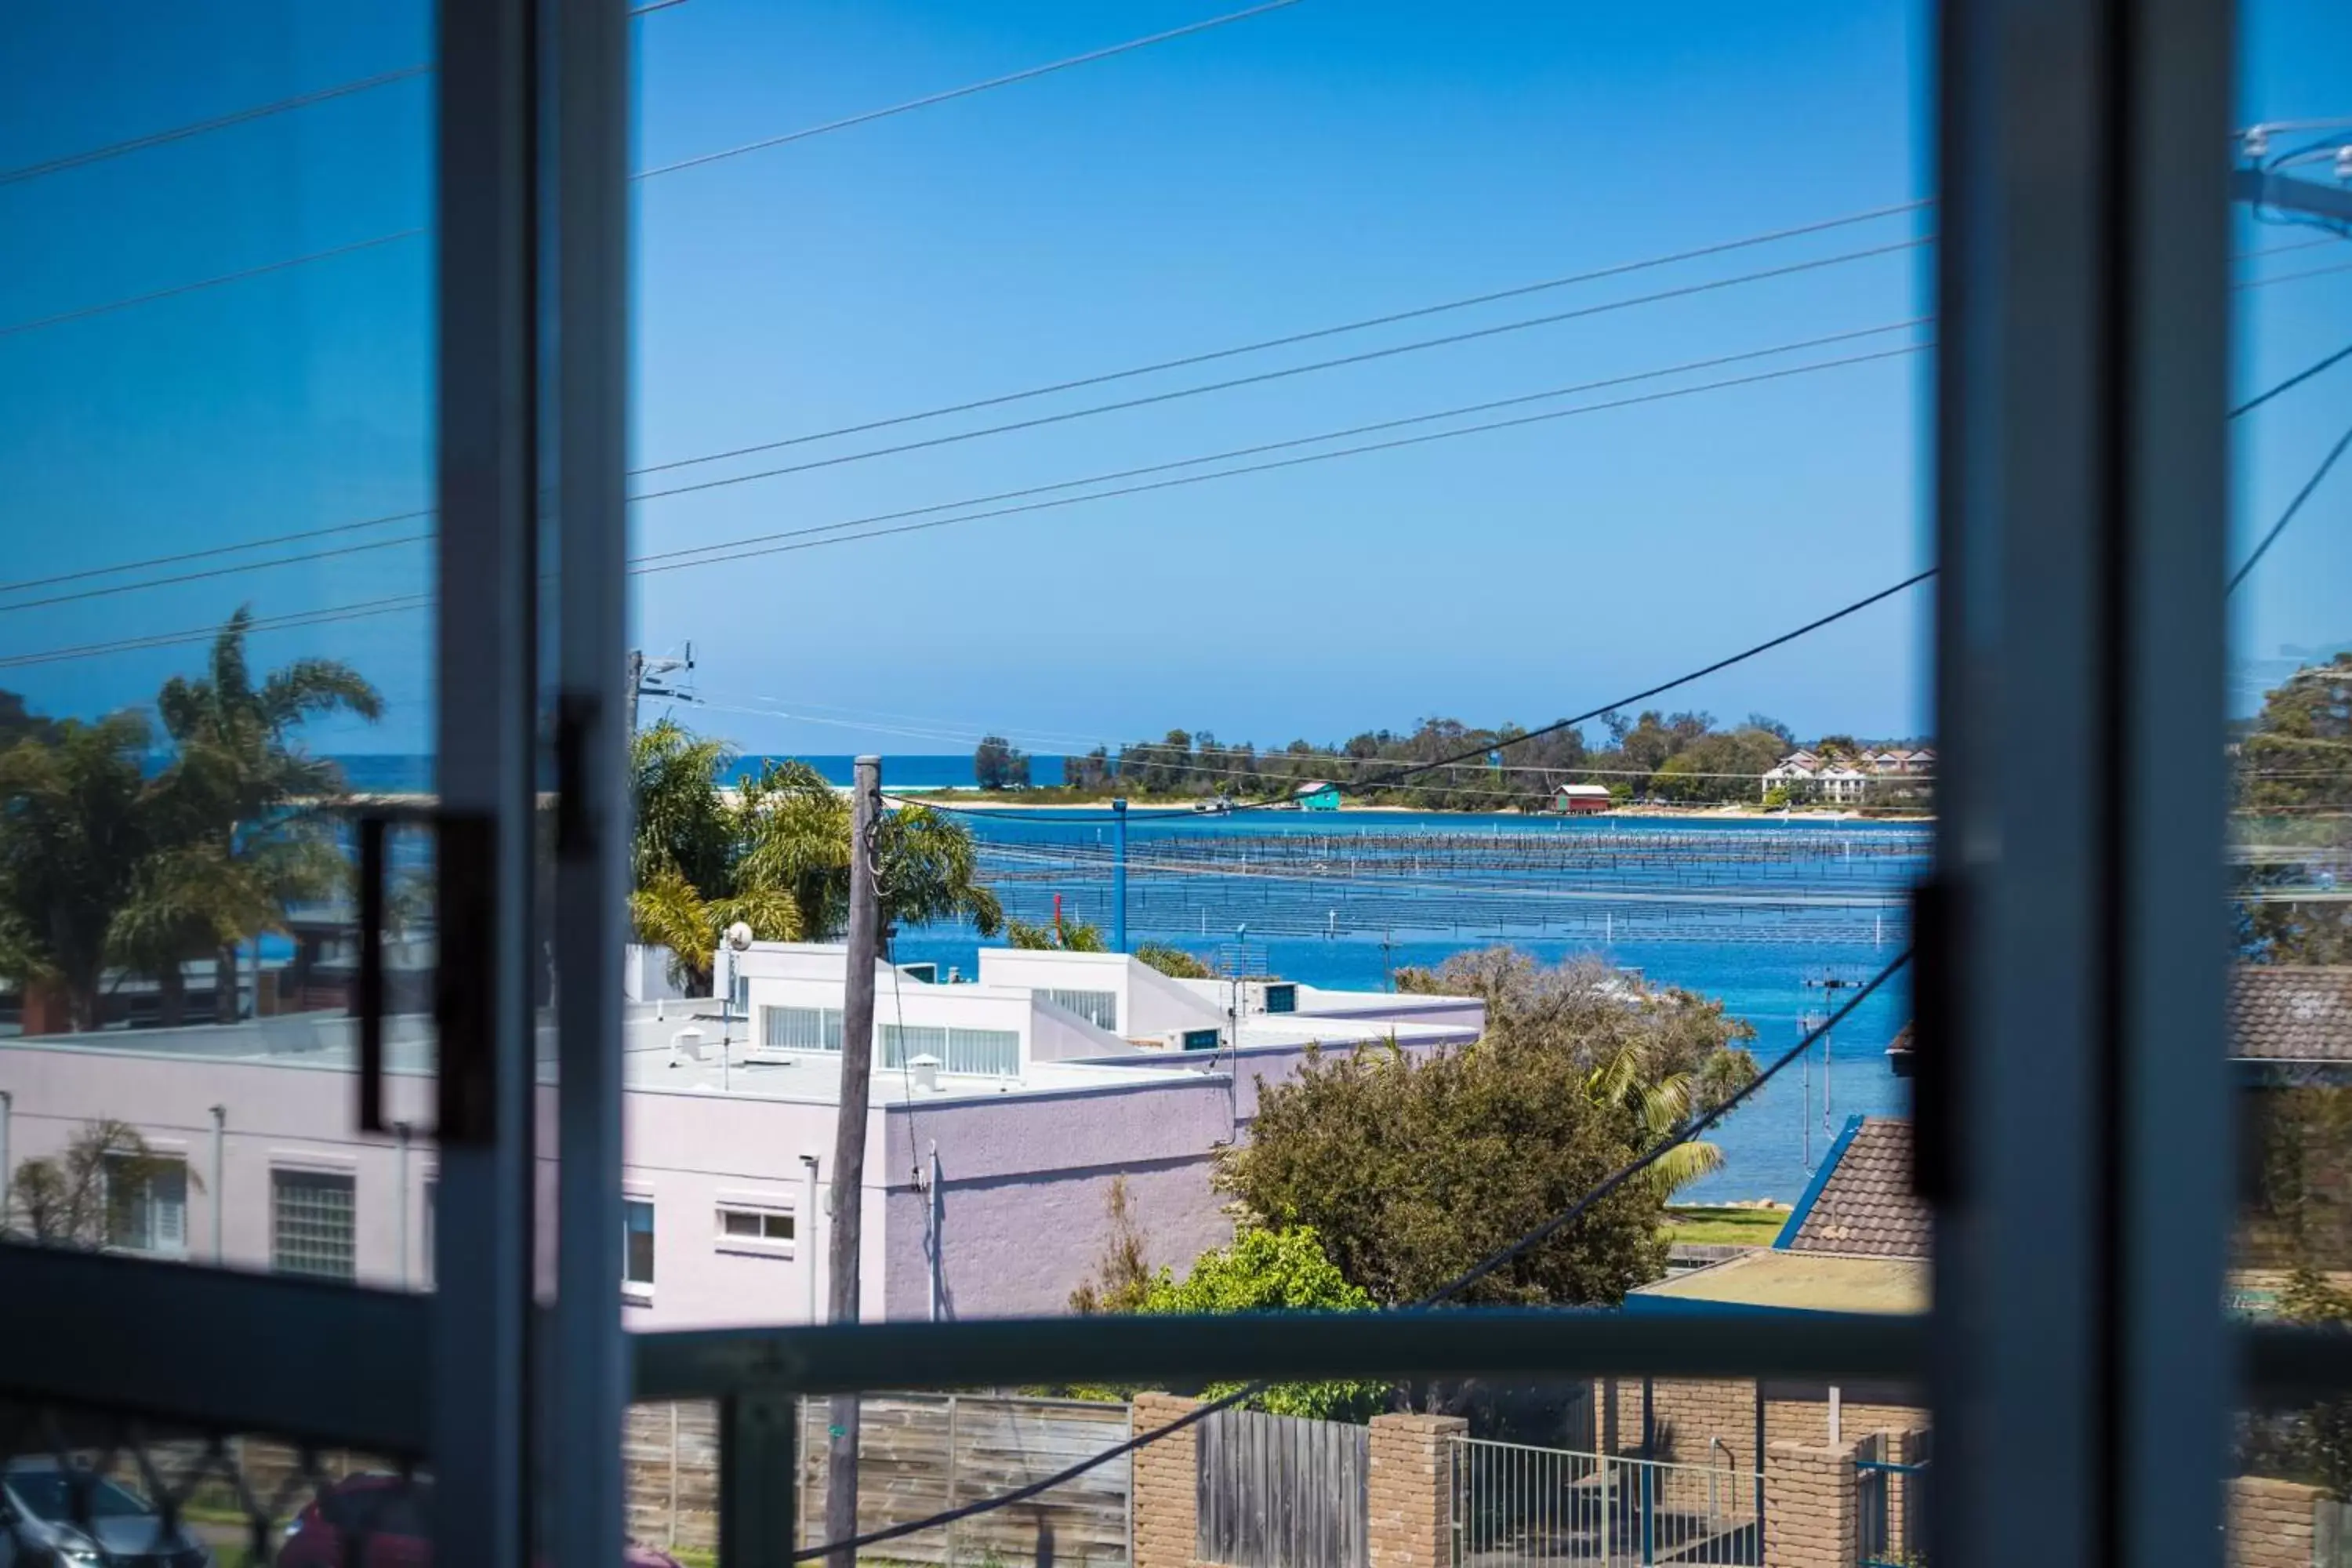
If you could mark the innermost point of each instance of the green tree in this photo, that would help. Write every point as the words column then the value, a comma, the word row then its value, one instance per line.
column 80, row 1197
column 1276, row 1271
column 243, row 795
column 1066, row 936
column 1412, row 1169
column 1261, row 1271
column 774, row 853
column 1173, row 961
column 2297, row 762
column 18, row 722
column 997, row 764
column 75, row 837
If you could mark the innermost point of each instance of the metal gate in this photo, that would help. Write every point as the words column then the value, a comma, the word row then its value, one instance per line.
column 1515, row 1504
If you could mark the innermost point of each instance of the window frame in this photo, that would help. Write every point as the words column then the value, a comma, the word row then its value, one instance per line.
column 176, row 1251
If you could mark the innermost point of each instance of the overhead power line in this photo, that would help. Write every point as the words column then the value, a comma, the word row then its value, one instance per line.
column 1391, row 318
column 1289, row 340
column 206, row 127
column 1285, row 373
column 2292, row 506
column 1501, row 1256
column 1185, row 480
column 1029, row 74
column 86, row 312
column 76, row 160
column 387, row 607
column 647, row 561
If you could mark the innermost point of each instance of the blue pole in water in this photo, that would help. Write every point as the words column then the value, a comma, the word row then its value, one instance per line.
column 1119, row 875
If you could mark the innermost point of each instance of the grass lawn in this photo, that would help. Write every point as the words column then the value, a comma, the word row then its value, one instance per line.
column 1737, row 1226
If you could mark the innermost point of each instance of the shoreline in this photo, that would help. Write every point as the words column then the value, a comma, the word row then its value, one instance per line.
column 966, row 798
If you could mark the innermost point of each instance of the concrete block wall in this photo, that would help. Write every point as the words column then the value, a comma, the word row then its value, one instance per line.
column 1167, row 1484
column 1408, row 1490
column 1809, row 1506
column 2273, row 1524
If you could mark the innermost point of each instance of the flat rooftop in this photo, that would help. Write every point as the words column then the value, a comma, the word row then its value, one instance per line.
column 1768, row 1281
column 329, row 1042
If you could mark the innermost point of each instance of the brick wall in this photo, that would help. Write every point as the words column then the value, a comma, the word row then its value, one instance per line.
column 2271, row 1523
column 1693, row 1416
column 1806, row 1422
column 1808, row 1506
column 1166, row 1485
column 1408, row 1490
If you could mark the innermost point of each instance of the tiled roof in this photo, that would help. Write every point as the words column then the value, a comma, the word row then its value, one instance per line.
column 2278, row 1012
column 1865, row 1208
column 2281, row 1012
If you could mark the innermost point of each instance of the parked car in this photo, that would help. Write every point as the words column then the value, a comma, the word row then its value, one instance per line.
column 394, row 1517
column 41, row 1525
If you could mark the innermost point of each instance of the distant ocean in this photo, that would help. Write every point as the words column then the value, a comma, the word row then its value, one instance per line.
column 391, row 772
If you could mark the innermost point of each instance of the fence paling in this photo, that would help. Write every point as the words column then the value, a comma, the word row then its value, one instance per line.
column 1515, row 1503
column 1277, row 1491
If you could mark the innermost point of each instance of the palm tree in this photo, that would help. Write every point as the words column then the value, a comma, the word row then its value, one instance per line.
column 774, row 852
column 248, row 793
column 76, row 836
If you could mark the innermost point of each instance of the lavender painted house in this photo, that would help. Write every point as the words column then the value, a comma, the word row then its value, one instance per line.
column 1001, row 1112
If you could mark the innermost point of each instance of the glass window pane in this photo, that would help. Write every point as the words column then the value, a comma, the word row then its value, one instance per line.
column 217, row 421
column 738, row 1222
column 637, row 1242
column 311, row 1224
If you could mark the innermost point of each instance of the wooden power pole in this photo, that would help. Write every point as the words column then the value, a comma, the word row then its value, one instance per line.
column 849, row 1136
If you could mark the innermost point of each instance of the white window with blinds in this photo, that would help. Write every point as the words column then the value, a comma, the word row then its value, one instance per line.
column 147, row 1204
column 800, row 1028
column 1100, row 1008
column 989, row 1052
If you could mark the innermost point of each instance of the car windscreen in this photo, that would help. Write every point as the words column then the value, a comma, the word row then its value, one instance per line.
column 49, row 1495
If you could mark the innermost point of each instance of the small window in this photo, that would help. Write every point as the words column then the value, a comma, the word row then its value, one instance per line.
column 310, row 1225
column 800, row 1028
column 147, row 1204
column 1100, row 1008
column 1282, row 998
column 763, row 1227
column 637, row 1243
column 1201, row 1039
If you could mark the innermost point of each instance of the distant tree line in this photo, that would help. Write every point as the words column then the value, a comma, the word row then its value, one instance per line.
column 1680, row 758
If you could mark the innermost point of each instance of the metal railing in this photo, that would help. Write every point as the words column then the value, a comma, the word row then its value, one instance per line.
column 1516, row 1504
column 1890, row 1506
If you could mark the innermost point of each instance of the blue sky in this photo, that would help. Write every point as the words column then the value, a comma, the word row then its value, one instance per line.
column 1330, row 160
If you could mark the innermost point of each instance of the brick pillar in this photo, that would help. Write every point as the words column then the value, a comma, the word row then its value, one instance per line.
column 1167, row 1484
column 1808, row 1507
column 2271, row 1523
column 1410, row 1490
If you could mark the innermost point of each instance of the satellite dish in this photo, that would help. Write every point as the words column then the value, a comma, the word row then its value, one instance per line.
column 739, row 936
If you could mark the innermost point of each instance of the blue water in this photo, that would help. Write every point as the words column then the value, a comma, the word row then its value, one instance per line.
column 1328, row 925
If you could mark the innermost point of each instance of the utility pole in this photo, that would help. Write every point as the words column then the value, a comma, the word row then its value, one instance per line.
column 1119, row 875
column 645, row 679
column 849, row 1136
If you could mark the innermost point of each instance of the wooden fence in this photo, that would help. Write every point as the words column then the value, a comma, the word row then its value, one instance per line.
column 1278, row 1492
column 918, row 1455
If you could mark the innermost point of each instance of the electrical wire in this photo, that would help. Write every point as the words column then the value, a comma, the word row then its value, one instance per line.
column 1290, row 340
column 645, row 561
column 1183, row 480
column 1608, row 1186
column 205, row 127
column 1029, row 74
column 2292, row 506
column 1312, row 367
column 87, row 311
